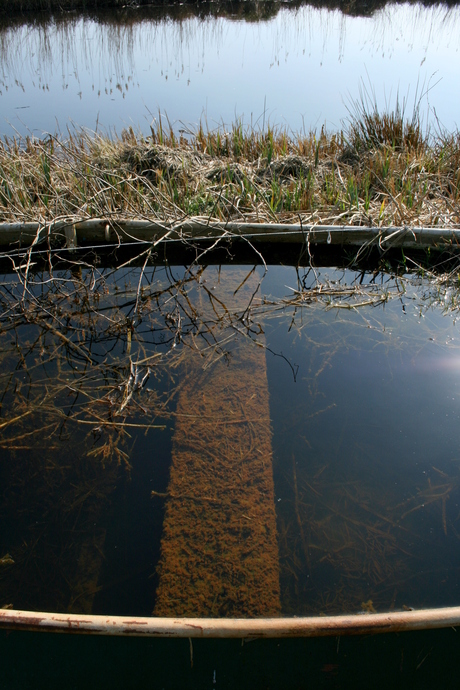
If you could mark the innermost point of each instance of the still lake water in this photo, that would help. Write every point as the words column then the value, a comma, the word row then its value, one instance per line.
column 297, row 69
column 183, row 435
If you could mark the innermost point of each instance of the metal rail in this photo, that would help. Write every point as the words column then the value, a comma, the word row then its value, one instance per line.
column 319, row 626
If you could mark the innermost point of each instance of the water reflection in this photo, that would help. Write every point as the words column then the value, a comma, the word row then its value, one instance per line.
column 366, row 469
column 135, row 416
column 294, row 67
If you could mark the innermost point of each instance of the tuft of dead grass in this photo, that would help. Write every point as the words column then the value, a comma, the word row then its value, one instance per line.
column 371, row 129
column 380, row 171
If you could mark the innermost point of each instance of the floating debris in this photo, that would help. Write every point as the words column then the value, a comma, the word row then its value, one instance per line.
column 6, row 560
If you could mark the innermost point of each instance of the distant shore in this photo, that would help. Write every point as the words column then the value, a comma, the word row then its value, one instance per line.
column 249, row 9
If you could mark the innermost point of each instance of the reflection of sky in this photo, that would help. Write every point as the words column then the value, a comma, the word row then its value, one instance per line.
column 303, row 64
column 392, row 375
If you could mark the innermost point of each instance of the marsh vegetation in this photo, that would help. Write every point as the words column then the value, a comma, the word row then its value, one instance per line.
column 382, row 170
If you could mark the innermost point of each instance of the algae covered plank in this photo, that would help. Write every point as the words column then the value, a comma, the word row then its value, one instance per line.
column 219, row 553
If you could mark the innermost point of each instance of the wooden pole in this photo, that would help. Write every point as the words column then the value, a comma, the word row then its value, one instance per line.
column 319, row 626
column 71, row 234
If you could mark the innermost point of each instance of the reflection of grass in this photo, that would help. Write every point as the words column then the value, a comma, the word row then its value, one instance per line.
column 247, row 9
column 238, row 9
column 344, row 540
column 350, row 528
column 382, row 171
column 85, row 353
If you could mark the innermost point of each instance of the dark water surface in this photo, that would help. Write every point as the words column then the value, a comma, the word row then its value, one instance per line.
column 363, row 377
column 366, row 460
column 296, row 68
column 421, row 659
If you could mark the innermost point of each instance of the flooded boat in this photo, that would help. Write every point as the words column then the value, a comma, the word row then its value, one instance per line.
column 227, row 441
column 195, row 450
column 240, row 424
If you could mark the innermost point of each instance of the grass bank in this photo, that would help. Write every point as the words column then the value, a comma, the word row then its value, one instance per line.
column 381, row 170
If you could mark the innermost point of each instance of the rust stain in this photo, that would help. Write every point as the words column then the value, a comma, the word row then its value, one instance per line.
column 72, row 621
column 20, row 621
column 196, row 627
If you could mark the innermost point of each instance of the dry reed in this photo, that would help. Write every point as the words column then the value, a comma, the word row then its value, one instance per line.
column 381, row 171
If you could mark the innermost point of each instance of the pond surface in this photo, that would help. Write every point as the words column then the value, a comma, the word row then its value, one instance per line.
column 297, row 68
column 228, row 441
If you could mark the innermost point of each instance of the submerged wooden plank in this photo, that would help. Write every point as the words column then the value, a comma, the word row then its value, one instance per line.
column 219, row 553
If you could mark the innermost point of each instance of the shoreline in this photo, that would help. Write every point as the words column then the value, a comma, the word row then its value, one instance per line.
column 382, row 171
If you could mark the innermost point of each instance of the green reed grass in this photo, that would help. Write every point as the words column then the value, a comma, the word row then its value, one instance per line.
column 380, row 170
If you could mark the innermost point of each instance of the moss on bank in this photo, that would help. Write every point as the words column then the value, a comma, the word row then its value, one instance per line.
column 383, row 170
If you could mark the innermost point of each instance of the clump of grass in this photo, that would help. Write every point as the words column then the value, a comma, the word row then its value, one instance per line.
column 384, row 174
column 369, row 128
